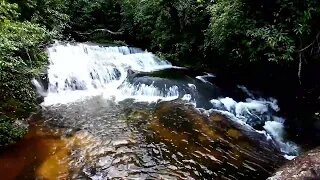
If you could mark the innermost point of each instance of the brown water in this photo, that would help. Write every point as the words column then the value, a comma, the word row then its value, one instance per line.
column 98, row 139
column 41, row 153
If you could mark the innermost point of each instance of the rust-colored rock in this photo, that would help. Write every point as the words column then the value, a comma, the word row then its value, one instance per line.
column 304, row 167
column 44, row 153
column 213, row 142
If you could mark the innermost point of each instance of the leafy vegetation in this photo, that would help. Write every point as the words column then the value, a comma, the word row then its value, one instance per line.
column 21, row 58
column 265, row 30
column 9, row 132
column 175, row 29
column 270, row 37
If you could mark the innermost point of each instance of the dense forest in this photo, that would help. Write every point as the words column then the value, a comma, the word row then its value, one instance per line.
column 273, row 45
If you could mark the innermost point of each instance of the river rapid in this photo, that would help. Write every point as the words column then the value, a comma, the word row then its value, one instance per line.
column 121, row 112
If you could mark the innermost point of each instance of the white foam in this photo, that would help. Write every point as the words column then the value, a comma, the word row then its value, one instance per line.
column 260, row 111
column 203, row 78
column 78, row 71
column 289, row 157
column 101, row 70
column 228, row 103
column 192, row 86
column 66, row 97
column 39, row 87
column 148, row 93
column 187, row 97
column 276, row 130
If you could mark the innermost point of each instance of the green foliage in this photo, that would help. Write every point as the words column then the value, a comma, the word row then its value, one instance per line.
column 189, row 32
column 21, row 59
column 174, row 28
column 48, row 13
column 16, row 41
column 88, row 15
column 228, row 30
column 9, row 132
column 227, row 24
column 8, row 11
column 265, row 30
column 270, row 43
column 226, row 15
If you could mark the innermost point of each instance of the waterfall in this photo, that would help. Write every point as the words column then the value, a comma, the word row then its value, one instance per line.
column 80, row 70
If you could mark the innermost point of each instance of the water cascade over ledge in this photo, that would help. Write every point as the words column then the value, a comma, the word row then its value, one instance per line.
column 126, row 113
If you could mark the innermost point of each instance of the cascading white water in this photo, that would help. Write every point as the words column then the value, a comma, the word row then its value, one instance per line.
column 95, row 70
column 255, row 113
column 77, row 71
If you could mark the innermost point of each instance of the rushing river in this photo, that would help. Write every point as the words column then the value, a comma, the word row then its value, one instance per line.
column 119, row 112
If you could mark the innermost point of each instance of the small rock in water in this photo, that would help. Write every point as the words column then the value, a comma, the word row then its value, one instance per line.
column 124, row 142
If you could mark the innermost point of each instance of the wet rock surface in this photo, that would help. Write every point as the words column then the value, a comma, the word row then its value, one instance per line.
column 99, row 139
column 210, row 147
column 304, row 167
column 41, row 148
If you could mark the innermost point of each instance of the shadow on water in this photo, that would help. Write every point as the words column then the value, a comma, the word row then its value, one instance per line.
column 41, row 153
column 100, row 139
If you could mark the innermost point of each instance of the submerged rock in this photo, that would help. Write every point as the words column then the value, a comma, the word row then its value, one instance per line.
column 167, row 140
column 41, row 153
column 304, row 167
column 211, row 146
column 46, row 154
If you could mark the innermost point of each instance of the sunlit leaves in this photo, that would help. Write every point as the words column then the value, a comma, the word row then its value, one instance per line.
column 9, row 132
column 8, row 11
column 21, row 58
column 16, row 39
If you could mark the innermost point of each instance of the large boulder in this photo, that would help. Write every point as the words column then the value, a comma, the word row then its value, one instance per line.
column 214, row 145
column 306, row 166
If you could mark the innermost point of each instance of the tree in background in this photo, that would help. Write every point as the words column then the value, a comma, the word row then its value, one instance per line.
column 173, row 28
column 274, row 31
column 49, row 13
column 269, row 36
column 93, row 20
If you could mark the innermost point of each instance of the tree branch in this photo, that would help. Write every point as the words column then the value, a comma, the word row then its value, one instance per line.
column 301, row 53
column 312, row 43
column 30, row 61
column 100, row 30
column 300, row 67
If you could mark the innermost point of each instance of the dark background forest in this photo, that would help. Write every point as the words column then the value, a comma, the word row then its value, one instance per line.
column 268, row 45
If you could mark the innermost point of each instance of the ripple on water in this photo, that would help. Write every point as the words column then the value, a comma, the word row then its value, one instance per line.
column 100, row 139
